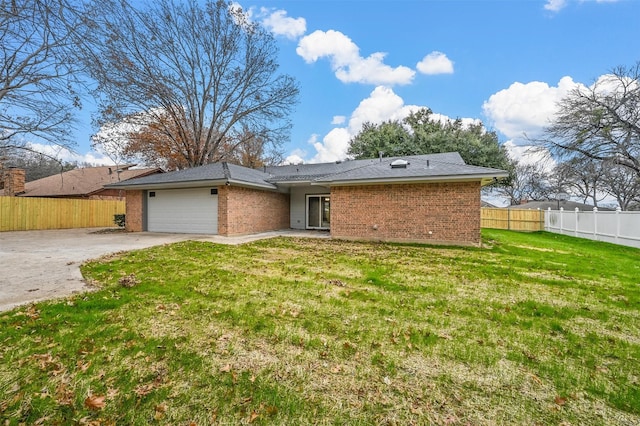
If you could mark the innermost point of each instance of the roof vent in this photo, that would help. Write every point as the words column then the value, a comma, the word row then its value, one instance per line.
column 399, row 164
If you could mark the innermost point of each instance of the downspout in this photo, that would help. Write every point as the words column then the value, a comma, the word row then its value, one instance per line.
column 227, row 173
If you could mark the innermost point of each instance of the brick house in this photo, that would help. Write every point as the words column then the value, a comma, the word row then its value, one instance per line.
column 423, row 198
column 86, row 183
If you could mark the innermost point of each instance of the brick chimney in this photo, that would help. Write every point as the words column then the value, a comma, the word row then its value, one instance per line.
column 13, row 181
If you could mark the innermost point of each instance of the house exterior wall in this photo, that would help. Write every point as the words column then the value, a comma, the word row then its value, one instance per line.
column 108, row 194
column 439, row 213
column 134, row 211
column 246, row 211
column 298, row 217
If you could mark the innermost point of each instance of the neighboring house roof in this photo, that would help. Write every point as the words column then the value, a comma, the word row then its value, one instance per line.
column 554, row 205
column 487, row 204
column 418, row 168
column 82, row 182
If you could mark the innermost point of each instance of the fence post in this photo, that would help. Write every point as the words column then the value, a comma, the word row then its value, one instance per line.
column 618, row 209
column 540, row 219
column 547, row 220
column 509, row 219
column 561, row 220
column 575, row 230
column 595, row 223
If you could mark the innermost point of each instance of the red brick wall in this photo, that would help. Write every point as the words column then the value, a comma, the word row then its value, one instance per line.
column 134, row 211
column 13, row 181
column 109, row 194
column 440, row 213
column 246, row 211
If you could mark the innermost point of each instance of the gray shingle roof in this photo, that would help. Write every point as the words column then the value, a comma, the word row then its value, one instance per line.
column 418, row 167
column 426, row 167
column 211, row 173
column 310, row 172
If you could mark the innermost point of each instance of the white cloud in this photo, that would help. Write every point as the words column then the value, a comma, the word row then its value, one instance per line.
column 296, row 157
column 525, row 109
column 280, row 24
column 435, row 63
column 346, row 61
column 66, row 155
column 333, row 146
column 382, row 104
column 240, row 15
column 555, row 5
column 338, row 119
column 529, row 154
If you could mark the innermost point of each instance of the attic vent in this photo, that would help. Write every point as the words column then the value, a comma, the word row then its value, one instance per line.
column 399, row 164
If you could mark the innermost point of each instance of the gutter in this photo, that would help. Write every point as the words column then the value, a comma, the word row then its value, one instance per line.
column 417, row 179
column 191, row 184
column 168, row 185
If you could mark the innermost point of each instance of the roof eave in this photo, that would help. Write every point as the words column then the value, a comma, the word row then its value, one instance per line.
column 191, row 184
column 485, row 179
column 167, row 185
column 245, row 184
column 290, row 182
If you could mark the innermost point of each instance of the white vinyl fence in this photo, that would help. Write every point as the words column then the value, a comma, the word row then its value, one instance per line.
column 616, row 227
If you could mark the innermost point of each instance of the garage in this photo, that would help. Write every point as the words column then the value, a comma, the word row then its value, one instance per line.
column 189, row 211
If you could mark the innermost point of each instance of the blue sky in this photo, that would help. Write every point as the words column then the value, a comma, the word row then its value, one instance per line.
column 504, row 62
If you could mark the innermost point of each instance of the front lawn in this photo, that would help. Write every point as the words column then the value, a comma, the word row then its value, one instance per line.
column 530, row 329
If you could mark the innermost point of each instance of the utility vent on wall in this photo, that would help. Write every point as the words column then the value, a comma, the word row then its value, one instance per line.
column 399, row 164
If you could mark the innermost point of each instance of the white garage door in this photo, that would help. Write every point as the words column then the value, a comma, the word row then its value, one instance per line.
column 191, row 211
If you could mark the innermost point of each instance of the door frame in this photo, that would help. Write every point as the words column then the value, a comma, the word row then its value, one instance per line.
column 306, row 211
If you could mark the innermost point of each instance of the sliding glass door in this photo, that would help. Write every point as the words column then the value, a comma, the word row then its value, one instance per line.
column 318, row 212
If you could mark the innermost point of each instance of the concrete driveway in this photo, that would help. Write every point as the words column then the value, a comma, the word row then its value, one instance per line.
column 41, row 265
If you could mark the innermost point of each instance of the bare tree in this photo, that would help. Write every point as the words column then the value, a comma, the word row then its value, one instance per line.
column 583, row 177
column 622, row 183
column 254, row 151
column 529, row 182
column 197, row 75
column 37, row 73
column 601, row 122
column 36, row 166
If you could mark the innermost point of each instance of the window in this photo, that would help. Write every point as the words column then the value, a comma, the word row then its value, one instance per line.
column 152, row 193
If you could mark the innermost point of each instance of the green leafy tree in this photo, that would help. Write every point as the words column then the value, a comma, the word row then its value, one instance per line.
column 390, row 138
column 421, row 133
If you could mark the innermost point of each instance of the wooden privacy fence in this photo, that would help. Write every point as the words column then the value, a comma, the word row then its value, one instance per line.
column 22, row 213
column 513, row 219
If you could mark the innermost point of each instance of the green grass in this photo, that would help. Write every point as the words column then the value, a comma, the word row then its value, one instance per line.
column 529, row 329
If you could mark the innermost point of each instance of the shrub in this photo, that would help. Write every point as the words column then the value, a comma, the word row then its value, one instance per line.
column 119, row 220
